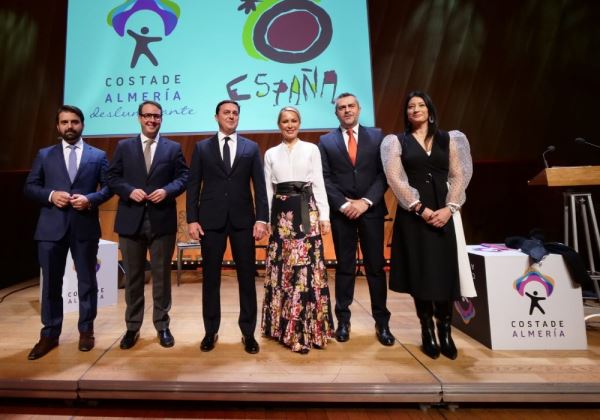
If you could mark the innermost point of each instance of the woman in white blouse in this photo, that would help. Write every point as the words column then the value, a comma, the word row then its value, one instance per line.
column 297, row 306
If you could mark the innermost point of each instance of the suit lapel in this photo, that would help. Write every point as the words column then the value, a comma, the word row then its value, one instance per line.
column 59, row 156
column 85, row 157
column 216, row 151
column 160, row 146
column 239, row 151
column 339, row 141
column 363, row 142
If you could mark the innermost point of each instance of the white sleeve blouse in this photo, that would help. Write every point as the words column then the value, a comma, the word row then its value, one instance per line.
column 300, row 163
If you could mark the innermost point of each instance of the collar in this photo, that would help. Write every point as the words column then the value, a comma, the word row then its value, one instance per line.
column 146, row 138
column 232, row 136
column 78, row 144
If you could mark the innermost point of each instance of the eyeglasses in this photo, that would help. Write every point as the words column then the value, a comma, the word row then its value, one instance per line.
column 151, row 116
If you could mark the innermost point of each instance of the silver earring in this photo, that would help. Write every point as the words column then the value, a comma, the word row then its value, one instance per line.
column 431, row 120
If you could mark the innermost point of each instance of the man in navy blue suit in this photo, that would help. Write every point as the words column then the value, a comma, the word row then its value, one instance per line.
column 147, row 172
column 220, row 206
column 356, row 185
column 69, row 181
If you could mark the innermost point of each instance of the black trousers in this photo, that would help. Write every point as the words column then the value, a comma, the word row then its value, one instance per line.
column 346, row 234
column 214, row 243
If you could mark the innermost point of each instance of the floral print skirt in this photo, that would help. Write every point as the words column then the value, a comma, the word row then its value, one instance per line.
column 296, row 307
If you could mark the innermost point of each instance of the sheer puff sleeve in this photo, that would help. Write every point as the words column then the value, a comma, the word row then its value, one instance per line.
column 460, row 168
column 391, row 152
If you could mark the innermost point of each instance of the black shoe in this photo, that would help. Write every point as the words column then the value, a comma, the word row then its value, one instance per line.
column 86, row 341
column 166, row 338
column 342, row 334
column 42, row 347
column 129, row 339
column 250, row 344
column 208, row 342
column 384, row 335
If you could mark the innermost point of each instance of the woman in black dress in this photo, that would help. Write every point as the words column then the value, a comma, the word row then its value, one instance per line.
column 428, row 170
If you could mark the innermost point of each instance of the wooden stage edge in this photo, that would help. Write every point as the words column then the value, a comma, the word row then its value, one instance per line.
column 360, row 370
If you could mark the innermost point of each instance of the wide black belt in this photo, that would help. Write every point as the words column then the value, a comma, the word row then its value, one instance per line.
column 304, row 190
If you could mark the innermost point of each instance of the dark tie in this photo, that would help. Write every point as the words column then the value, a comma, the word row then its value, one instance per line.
column 352, row 146
column 227, row 155
column 72, row 168
column 148, row 154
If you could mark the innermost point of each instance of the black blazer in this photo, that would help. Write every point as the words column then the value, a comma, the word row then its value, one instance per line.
column 127, row 171
column 213, row 195
column 366, row 179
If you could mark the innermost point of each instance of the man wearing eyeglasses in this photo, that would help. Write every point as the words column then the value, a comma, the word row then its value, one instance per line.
column 147, row 172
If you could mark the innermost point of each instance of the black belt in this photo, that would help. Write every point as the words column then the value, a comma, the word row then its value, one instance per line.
column 304, row 190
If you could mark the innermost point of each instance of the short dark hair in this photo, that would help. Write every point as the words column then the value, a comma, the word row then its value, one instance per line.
column 70, row 108
column 431, row 126
column 156, row 104
column 345, row 95
column 226, row 101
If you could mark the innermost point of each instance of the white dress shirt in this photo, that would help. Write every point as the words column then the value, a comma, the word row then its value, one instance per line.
column 78, row 151
column 232, row 145
column 144, row 139
column 300, row 163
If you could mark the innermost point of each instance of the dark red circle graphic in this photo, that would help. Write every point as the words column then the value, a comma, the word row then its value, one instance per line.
column 293, row 31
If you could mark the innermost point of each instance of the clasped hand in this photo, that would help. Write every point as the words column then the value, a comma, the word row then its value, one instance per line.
column 138, row 195
column 63, row 199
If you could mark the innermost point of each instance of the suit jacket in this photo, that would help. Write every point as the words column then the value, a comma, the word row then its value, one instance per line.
column 49, row 173
column 342, row 179
column 127, row 171
column 213, row 195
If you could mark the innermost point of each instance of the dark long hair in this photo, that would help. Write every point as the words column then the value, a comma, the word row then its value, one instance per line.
column 431, row 126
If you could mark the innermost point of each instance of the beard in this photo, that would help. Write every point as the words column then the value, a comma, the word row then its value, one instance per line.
column 70, row 135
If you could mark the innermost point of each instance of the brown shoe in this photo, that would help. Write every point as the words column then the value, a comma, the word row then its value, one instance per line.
column 86, row 341
column 42, row 347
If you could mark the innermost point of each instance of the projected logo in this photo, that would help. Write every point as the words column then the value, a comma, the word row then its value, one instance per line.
column 286, row 31
column 465, row 309
column 167, row 10
column 536, row 286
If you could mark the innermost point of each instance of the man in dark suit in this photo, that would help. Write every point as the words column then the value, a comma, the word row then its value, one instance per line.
column 220, row 206
column 147, row 172
column 64, row 180
column 356, row 184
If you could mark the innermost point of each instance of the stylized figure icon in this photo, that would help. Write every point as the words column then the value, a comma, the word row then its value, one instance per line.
column 141, row 46
column 533, row 275
column 167, row 10
column 535, row 302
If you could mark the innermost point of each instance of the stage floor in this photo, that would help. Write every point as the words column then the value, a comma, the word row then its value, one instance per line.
column 360, row 370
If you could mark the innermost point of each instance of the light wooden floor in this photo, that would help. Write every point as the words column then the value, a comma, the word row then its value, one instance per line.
column 360, row 370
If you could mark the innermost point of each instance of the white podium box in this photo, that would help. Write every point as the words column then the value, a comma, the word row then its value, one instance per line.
column 106, row 275
column 520, row 306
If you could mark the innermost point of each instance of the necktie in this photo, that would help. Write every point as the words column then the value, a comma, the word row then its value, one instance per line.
column 352, row 146
column 148, row 154
column 72, row 167
column 227, row 155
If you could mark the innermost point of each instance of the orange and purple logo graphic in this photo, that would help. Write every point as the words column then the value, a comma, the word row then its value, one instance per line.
column 533, row 276
column 167, row 10
column 285, row 31
column 465, row 309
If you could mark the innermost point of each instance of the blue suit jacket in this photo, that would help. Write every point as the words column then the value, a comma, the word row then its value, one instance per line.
column 127, row 171
column 49, row 173
column 366, row 179
column 213, row 195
